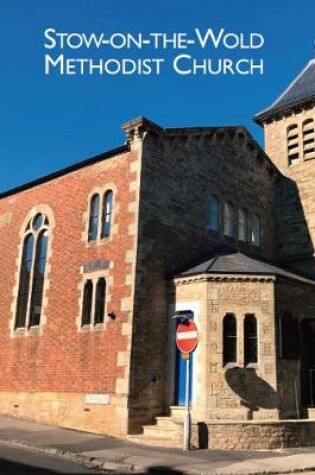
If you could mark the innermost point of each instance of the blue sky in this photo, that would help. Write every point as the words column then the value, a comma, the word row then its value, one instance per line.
column 49, row 122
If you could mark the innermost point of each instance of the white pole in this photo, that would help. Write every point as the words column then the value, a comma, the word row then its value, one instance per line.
column 186, row 442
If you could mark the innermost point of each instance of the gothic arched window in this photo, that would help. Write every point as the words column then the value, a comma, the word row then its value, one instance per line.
column 229, row 339
column 94, row 298
column 94, row 217
column 100, row 300
column 32, row 272
column 256, row 230
column 107, row 213
column 250, row 339
column 243, row 225
column 229, row 219
column 87, row 302
column 100, row 216
column 214, row 214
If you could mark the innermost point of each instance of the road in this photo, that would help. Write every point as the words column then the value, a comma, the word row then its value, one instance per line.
column 23, row 461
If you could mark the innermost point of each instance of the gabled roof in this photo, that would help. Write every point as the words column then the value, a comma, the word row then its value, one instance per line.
column 227, row 261
column 299, row 92
column 145, row 124
column 64, row 171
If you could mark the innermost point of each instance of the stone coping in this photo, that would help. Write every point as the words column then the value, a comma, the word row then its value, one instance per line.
column 255, row 422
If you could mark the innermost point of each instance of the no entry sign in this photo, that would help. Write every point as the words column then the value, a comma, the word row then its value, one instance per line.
column 187, row 336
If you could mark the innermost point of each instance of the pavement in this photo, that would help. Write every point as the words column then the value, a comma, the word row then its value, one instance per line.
column 126, row 457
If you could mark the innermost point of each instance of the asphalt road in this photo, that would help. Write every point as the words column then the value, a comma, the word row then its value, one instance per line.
column 23, row 461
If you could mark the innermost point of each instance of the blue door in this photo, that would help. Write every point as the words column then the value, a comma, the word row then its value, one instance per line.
column 180, row 379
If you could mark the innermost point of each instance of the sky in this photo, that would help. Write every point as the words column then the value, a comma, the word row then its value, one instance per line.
column 50, row 121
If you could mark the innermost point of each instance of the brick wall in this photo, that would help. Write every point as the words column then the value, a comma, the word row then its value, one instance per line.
column 60, row 357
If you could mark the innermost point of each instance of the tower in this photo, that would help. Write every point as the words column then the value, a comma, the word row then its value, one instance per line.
column 289, row 129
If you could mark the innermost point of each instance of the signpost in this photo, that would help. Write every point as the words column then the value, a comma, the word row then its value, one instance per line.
column 186, row 341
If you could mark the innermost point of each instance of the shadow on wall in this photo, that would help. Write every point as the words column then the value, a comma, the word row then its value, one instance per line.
column 255, row 393
column 295, row 247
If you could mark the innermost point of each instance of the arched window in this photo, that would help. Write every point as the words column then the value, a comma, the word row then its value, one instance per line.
column 214, row 213
column 38, row 278
column 293, row 144
column 229, row 338
column 256, row 230
column 229, row 219
column 243, row 225
column 308, row 139
column 93, row 305
column 100, row 216
column 250, row 339
column 100, row 301
column 94, row 217
column 107, row 213
column 87, row 302
column 32, row 273
column 25, row 277
column 288, row 337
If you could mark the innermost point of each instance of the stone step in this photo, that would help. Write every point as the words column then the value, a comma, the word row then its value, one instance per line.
column 168, row 422
column 167, row 432
column 311, row 412
column 155, row 431
column 177, row 411
column 156, row 441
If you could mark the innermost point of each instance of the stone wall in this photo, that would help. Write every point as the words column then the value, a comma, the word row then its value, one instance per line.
column 68, row 409
column 234, row 390
column 299, row 300
column 294, row 194
column 180, row 170
column 254, row 435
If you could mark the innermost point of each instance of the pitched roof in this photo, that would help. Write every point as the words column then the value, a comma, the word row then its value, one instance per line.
column 143, row 123
column 300, row 91
column 64, row 171
column 232, row 262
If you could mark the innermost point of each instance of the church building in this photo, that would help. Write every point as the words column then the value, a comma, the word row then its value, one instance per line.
column 98, row 257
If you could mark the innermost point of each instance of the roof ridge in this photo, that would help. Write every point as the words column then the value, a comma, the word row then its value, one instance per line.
column 214, row 259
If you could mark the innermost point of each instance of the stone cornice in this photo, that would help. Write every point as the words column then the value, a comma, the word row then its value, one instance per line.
column 223, row 278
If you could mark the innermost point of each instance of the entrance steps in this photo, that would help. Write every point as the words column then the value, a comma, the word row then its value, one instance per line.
column 166, row 432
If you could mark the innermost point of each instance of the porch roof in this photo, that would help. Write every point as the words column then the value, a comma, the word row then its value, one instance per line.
column 234, row 262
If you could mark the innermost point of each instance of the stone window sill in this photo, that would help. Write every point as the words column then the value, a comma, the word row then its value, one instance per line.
column 251, row 366
column 231, row 365
column 34, row 330
column 92, row 327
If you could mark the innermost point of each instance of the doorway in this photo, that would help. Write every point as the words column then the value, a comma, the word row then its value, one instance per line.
column 180, row 379
column 308, row 362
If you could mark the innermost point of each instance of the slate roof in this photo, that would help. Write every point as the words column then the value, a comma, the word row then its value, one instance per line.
column 300, row 91
column 232, row 262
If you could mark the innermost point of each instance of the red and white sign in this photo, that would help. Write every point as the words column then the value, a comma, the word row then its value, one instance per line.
column 187, row 336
